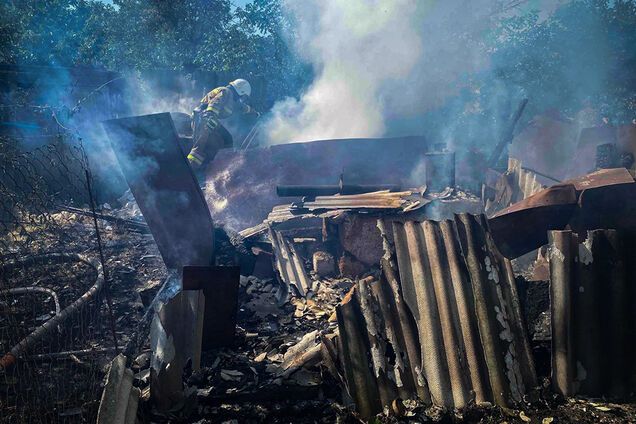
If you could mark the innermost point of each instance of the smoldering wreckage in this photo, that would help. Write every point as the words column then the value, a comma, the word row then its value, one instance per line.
column 336, row 285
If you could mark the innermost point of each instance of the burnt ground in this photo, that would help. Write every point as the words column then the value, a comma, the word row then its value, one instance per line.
column 252, row 381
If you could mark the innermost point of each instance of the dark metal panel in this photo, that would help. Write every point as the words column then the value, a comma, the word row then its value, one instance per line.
column 167, row 192
column 220, row 290
column 593, row 318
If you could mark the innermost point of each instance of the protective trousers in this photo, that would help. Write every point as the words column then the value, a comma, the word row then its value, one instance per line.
column 209, row 137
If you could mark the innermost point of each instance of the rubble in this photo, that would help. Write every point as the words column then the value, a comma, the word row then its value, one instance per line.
column 394, row 305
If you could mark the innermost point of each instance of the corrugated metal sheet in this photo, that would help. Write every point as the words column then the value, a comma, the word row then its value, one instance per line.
column 289, row 264
column 512, row 187
column 593, row 315
column 461, row 292
column 379, row 349
column 526, row 180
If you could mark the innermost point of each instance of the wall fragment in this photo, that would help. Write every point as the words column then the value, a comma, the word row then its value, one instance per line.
column 462, row 295
column 448, row 331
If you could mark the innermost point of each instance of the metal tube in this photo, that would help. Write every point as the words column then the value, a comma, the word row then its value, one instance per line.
column 330, row 190
column 561, row 273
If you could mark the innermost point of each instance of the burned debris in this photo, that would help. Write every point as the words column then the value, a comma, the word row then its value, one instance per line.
column 363, row 299
column 349, row 234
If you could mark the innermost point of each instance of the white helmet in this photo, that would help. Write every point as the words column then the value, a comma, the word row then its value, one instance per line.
column 242, row 87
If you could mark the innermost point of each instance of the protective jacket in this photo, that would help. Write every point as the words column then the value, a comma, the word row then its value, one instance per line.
column 209, row 134
column 223, row 103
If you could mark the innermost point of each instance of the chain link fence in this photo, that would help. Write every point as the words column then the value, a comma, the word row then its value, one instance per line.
column 56, row 329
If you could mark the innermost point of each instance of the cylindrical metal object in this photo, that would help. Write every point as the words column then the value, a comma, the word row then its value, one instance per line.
column 561, row 274
column 440, row 170
column 330, row 190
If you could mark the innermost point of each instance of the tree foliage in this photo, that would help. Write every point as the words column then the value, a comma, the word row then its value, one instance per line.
column 583, row 55
column 153, row 34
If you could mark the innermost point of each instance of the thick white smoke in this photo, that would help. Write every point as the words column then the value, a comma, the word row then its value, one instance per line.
column 381, row 62
column 355, row 47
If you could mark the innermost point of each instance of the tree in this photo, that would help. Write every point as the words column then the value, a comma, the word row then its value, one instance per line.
column 155, row 34
column 582, row 55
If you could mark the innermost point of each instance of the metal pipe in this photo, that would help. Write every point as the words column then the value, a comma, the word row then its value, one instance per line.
column 561, row 274
column 330, row 190
column 23, row 290
column 9, row 359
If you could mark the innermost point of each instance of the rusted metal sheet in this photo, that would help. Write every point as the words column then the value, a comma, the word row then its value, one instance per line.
column 523, row 226
column 220, row 291
column 602, row 178
column 593, row 317
column 513, row 186
column 461, row 292
column 167, row 192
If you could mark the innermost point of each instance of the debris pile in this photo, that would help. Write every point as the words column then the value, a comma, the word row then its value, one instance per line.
column 381, row 301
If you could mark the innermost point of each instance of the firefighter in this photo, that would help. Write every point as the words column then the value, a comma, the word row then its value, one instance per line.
column 209, row 134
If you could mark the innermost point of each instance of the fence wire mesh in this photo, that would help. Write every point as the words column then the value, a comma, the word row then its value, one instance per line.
column 51, row 369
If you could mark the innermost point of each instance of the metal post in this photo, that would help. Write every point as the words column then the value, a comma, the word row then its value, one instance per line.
column 109, row 302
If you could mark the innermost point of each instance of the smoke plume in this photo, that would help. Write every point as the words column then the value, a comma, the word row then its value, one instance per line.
column 380, row 64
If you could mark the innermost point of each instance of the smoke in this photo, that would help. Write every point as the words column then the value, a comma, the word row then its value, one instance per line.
column 355, row 47
column 375, row 60
column 380, row 65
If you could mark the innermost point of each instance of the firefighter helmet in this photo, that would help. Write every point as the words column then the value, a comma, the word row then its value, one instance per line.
column 242, row 87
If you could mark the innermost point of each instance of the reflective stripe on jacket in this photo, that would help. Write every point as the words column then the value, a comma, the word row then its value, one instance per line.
column 223, row 103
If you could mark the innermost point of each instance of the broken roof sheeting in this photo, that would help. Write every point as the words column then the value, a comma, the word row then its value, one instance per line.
column 513, row 186
column 593, row 318
column 461, row 292
column 523, row 226
column 375, row 351
column 289, row 264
